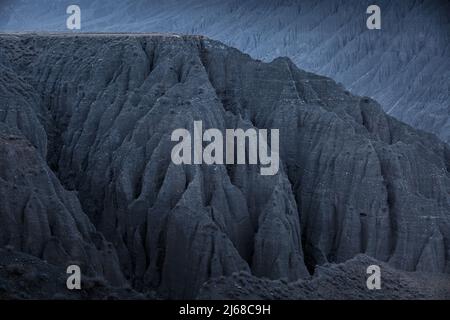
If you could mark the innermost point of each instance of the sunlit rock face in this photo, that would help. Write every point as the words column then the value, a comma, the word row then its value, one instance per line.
column 86, row 170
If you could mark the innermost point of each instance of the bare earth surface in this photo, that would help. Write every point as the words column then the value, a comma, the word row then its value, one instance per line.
column 86, row 177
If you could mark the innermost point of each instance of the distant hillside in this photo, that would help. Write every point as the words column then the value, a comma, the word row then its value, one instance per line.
column 405, row 66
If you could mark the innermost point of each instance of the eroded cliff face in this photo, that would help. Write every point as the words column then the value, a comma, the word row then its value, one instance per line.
column 404, row 66
column 100, row 109
column 39, row 217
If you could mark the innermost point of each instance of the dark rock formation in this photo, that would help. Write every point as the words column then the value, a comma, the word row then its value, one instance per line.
column 101, row 109
column 26, row 277
column 346, row 280
column 404, row 66
column 38, row 216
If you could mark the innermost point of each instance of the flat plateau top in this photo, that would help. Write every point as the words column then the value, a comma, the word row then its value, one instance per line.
column 101, row 34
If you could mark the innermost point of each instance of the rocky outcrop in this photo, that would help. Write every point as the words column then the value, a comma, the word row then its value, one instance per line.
column 404, row 66
column 23, row 276
column 352, row 179
column 40, row 218
column 346, row 280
